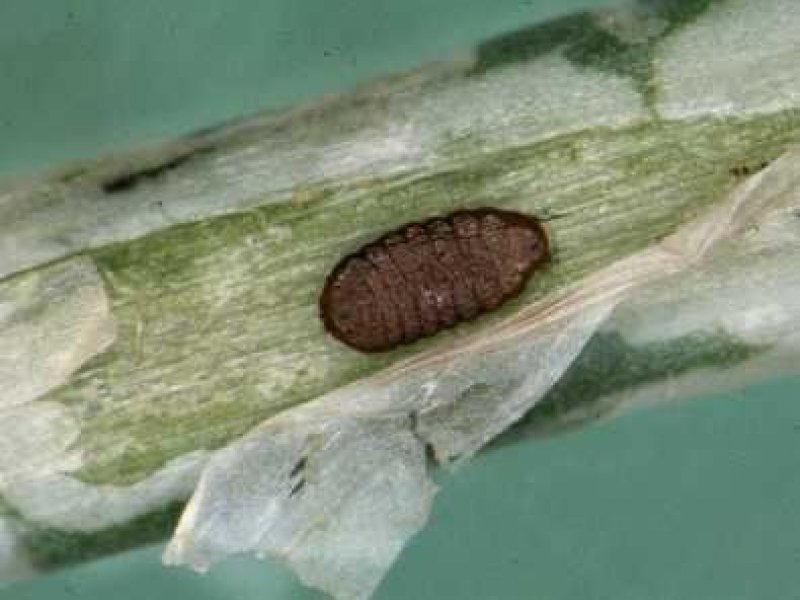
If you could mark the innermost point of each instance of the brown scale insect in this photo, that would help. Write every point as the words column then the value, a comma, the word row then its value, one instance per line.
column 425, row 277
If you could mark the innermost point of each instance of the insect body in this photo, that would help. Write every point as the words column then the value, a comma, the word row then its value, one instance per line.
column 425, row 277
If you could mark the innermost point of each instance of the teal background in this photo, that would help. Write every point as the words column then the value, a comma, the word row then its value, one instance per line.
column 694, row 500
column 78, row 77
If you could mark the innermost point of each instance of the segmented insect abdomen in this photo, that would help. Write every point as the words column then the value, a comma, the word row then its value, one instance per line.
column 425, row 277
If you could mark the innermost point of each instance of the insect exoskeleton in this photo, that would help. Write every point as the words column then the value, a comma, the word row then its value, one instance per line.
column 425, row 277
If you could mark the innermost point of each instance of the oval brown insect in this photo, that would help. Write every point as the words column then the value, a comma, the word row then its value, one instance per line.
column 429, row 276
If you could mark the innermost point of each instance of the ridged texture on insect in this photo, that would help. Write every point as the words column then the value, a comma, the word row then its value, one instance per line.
column 428, row 276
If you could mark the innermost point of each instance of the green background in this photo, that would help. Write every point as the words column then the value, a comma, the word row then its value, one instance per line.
column 694, row 500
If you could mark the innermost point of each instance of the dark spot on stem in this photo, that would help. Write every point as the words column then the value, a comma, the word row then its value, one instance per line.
column 298, row 487
column 430, row 453
column 299, row 467
column 744, row 170
column 128, row 181
column 413, row 420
